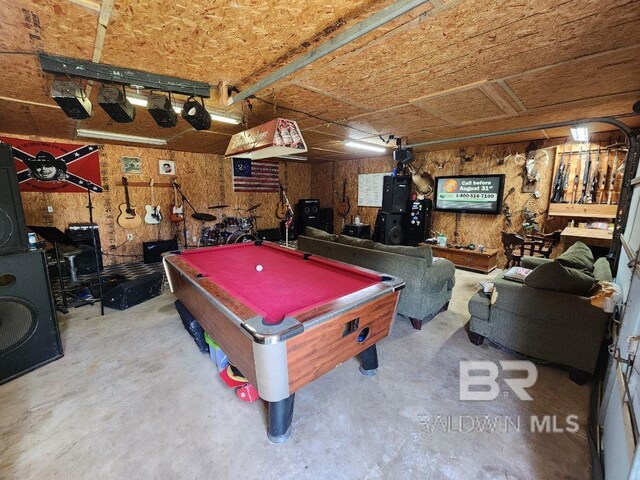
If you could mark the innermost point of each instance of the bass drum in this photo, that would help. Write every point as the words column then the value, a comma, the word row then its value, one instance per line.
column 241, row 237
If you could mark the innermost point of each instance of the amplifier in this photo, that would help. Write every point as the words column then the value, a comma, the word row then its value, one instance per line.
column 80, row 233
column 152, row 251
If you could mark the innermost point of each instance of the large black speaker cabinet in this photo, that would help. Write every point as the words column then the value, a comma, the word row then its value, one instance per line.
column 326, row 219
column 395, row 193
column 29, row 335
column 80, row 233
column 390, row 228
column 308, row 215
column 418, row 221
column 13, row 231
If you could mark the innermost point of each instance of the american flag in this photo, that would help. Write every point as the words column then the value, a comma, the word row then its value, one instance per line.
column 255, row 175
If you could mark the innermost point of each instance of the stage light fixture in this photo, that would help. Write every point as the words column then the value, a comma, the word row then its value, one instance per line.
column 72, row 99
column 196, row 114
column 160, row 108
column 114, row 101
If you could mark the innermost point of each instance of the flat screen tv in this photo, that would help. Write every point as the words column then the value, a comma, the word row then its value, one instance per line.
column 469, row 194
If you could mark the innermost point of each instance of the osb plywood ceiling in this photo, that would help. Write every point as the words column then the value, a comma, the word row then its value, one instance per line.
column 444, row 69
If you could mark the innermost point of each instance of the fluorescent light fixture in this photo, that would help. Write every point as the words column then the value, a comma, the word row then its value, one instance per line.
column 292, row 157
column 365, row 146
column 580, row 133
column 141, row 101
column 224, row 119
column 119, row 137
column 137, row 101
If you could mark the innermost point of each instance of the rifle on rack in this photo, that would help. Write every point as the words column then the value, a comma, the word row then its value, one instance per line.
column 576, row 179
column 565, row 180
column 585, row 177
column 558, row 184
column 612, row 179
column 595, row 179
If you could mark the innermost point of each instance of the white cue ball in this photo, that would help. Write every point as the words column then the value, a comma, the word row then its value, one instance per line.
column 259, row 268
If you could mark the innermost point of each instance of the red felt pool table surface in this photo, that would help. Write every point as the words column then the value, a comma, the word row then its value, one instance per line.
column 287, row 284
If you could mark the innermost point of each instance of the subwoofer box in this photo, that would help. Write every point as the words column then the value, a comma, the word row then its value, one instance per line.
column 134, row 292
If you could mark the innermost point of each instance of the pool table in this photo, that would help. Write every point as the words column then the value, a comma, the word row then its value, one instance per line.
column 284, row 317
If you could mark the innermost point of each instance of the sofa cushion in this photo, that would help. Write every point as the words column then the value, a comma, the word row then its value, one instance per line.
column 420, row 252
column 320, row 234
column 355, row 242
column 602, row 270
column 577, row 256
column 555, row 276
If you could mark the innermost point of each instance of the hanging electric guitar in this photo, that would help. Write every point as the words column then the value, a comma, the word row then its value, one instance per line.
column 128, row 217
column 153, row 215
column 176, row 213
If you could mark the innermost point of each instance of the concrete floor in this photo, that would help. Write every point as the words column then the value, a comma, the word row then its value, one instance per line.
column 133, row 398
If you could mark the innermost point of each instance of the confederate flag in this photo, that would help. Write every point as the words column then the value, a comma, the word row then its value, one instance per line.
column 56, row 167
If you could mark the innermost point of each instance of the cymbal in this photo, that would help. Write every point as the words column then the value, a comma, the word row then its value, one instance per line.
column 218, row 206
column 252, row 208
column 204, row 217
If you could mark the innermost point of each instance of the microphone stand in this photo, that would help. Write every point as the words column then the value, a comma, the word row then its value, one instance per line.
column 184, row 216
column 95, row 250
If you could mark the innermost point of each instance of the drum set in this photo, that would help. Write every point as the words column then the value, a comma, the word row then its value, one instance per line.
column 232, row 229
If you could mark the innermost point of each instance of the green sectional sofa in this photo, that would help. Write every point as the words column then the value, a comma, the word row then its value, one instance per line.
column 428, row 281
column 549, row 316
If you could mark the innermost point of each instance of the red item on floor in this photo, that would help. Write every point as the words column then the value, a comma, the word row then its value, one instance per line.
column 248, row 393
column 231, row 378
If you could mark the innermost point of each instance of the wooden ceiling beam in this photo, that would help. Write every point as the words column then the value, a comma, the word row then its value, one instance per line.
column 92, row 5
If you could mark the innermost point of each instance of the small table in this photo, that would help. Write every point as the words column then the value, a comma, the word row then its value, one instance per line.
column 292, row 322
column 593, row 237
column 483, row 262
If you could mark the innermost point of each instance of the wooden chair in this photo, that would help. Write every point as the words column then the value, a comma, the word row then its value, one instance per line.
column 549, row 242
column 516, row 246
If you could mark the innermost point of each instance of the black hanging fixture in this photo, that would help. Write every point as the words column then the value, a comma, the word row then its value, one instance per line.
column 114, row 101
column 196, row 114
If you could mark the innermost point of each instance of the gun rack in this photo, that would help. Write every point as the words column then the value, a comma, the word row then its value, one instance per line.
column 602, row 193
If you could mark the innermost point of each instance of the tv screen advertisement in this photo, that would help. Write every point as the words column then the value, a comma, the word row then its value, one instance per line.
column 469, row 194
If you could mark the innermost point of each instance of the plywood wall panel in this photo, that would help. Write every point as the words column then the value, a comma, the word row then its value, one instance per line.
column 217, row 39
column 204, row 178
column 496, row 159
column 493, row 45
column 21, row 118
column 609, row 74
column 64, row 28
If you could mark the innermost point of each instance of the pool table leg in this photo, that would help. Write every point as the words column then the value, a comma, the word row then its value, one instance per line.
column 369, row 358
column 280, row 416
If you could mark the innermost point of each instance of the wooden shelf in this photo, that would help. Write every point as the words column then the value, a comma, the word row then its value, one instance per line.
column 582, row 210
